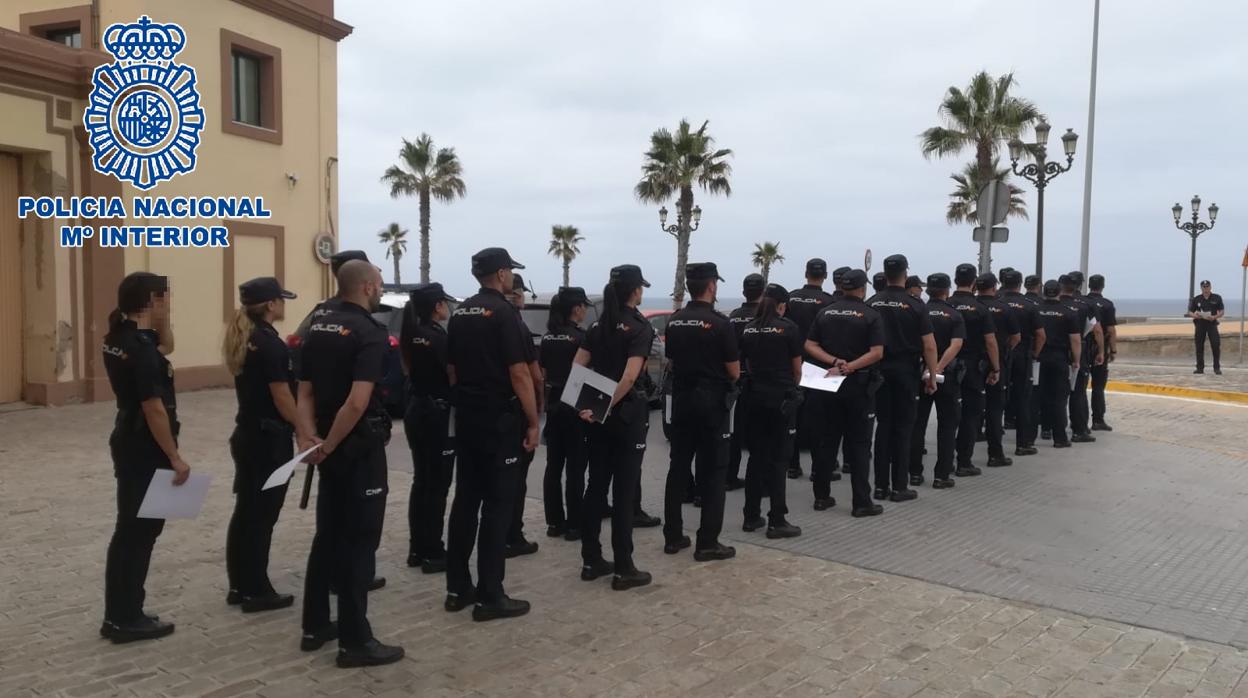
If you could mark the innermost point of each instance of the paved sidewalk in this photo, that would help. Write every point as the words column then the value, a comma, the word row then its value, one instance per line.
column 769, row 623
column 1233, row 379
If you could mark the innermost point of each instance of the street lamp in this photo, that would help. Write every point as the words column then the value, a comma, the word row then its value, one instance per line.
column 1040, row 173
column 676, row 228
column 1193, row 229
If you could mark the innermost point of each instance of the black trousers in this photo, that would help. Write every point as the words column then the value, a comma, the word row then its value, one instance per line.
column 740, row 420
column 771, row 436
column 1054, row 396
column 700, row 432
column 130, row 550
column 1100, row 377
column 972, row 409
column 813, row 436
column 1208, row 330
column 567, row 455
column 489, row 456
column 515, row 528
column 850, row 411
column 895, row 410
column 1019, row 405
column 616, row 450
column 995, row 397
column 256, row 454
column 427, row 425
column 1079, row 412
column 350, row 512
column 947, row 400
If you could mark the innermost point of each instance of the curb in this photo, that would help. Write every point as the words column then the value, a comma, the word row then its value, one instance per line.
column 1174, row 391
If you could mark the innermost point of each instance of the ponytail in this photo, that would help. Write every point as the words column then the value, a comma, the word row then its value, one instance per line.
column 768, row 310
column 237, row 334
column 560, row 314
column 115, row 318
column 614, row 298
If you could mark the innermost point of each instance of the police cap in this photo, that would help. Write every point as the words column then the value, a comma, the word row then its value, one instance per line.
column 986, row 281
column 1032, row 281
column 753, row 282
column 702, row 271
column 777, row 293
column 262, row 290
column 816, row 268
column 1065, row 280
column 518, row 284
column 1096, row 282
column 879, row 281
column 341, row 258
column 430, row 293
column 853, row 279
column 1011, row 277
column 1076, row 277
column 914, row 282
column 938, row 282
column 491, row 259
column 628, row 275
column 895, row 264
column 572, row 296
column 837, row 274
column 1052, row 288
column 964, row 274
column 1205, row 283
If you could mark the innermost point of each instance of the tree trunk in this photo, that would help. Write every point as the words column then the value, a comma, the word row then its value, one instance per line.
column 567, row 272
column 684, row 206
column 983, row 161
column 397, row 279
column 766, row 271
column 424, row 236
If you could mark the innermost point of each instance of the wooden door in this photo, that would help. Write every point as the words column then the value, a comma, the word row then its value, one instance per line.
column 10, row 284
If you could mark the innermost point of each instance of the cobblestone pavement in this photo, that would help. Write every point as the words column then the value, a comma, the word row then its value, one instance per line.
column 771, row 622
column 1233, row 378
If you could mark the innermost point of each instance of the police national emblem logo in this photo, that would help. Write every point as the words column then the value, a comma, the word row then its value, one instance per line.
column 143, row 114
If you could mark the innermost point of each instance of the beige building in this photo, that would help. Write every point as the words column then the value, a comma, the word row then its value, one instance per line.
column 267, row 79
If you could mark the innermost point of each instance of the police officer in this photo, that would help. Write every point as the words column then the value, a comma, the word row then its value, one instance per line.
column 908, row 336
column 771, row 350
column 1108, row 315
column 831, row 442
column 1033, row 285
column 617, row 347
column 1206, row 310
column 567, row 453
column 702, row 348
column 803, row 306
column 752, row 291
column 262, row 440
column 1058, row 357
column 335, row 264
column 144, row 439
column 879, row 282
column 980, row 363
column 1009, row 336
column 949, row 331
column 496, row 422
column 914, row 286
column 1031, row 339
column 342, row 361
column 848, row 337
column 1092, row 355
column 422, row 348
column 517, row 544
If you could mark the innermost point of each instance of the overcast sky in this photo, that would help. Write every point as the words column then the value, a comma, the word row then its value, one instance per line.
column 550, row 106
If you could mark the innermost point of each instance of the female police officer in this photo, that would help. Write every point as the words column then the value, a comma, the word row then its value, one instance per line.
column 772, row 348
column 565, row 435
column 261, row 442
column 144, row 439
column 617, row 347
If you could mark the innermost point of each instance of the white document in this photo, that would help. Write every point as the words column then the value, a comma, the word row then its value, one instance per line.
column 587, row 390
column 940, row 377
column 282, row 475
column 816, row 378
column 1074, row 376
column 667, row 410
column 1087, row 326
column 1035, row 373
column 165, row 501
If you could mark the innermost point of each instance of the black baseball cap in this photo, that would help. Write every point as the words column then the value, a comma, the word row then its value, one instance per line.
column 628, row 275
column 879, row 281
column 430, row 293
column 1205, row 283
column 837, row 274
column 964, row 274
column 572, row 296
column 816, row 268
column 938, row 282
column 491, row 259
column 702, row 271
column 341, row 258
column 1096, row 281
column 895, row 263
column 262, row 290
column 914, row 282
column 1076, row 277
column 986, row 281
column 777, row 293
column 1032, row 281
column 1065, row 280
column 1011, row 277
column 753, row 282
column 853, row 279
column 1052, row 288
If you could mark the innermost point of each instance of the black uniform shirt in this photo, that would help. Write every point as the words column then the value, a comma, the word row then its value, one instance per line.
column 699, row 342
column 1059, row 322
column 905, row 324
column 1023, row 308
column 558, row 349
column 768, row 348
column 804, row 306
column 1035, row 297
column 1004, row 320
column 742, row 316
column 485, row 340
column 947, row 324
column 137, row 371
column 848, row 328
column 424, row 347
column 978, row 323
column 268, row 361
column 343, row 347
column 1210, row 305
column 1104, row 309
column 610, row 351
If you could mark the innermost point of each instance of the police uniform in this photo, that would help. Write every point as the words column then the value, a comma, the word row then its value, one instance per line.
column 1108, row 315
column 617, row 445
column 1207, row 329
column 830, row 444
column 262, row 442
column 995, row 395
column 517, row 544
column 768, row 348
column 700, row 341
column 1080, row 414
column 847, row 330
column 345, row 346
column 1018, row 416
column 567, row 454
column 426, row 422
column 486, row 340
column 976, row 365
column 947, row 325
column 1059, row 322
column 804, row 305
column 751, row 287
column 905, row 325
column 1032, row 284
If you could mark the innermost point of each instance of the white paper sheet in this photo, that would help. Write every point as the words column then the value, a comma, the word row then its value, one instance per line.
column 282, row 475
column 667, row 410
column 940, row 377
column 578, row 378
column 450, row 425
column 1087, row 326
column 1035, row 373
column 165, row 501
column 816, row 378
column 1074, row 376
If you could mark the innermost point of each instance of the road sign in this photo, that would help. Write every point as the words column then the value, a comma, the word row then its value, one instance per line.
column 866, row 260
column 999, row 234
column 1001, row 201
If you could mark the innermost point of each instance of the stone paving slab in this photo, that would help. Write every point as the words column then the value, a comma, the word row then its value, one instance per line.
column 1233, row 379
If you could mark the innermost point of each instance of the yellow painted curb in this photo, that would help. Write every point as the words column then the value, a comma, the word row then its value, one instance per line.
column 1174, row 391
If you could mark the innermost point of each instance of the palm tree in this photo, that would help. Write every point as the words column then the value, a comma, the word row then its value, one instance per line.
column 395, row 240
column 426, row 173
column 563, row 244
column 671, row 167
column 965, row 195
column 766, row 254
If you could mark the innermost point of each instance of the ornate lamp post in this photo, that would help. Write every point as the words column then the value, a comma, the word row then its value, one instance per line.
column 1040, row 173
column 679, row 226
column 1193, row 229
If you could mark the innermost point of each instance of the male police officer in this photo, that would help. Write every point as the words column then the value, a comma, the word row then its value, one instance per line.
column 342, row 362
column 1092, row 355
column 949, row 330
column 702, row 349
column 804, row 304
column 752, row 289
column 849, row 338
column 908, row 336
column 830, row 444
column 1031, row 339
column 1206, row 310
column 980, row 362
column 496, row 423
column 1009, row 335
column 1033, row 284
column 914, row 286
column 879, row 282
column 517, row 544
column 1058, row 358
column 1109, row 324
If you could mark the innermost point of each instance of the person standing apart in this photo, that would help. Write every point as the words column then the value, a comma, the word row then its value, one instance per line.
column 1108, row 314
column 752, row 290
column 702, row 349
column 144, row 439
column 803, row 306
column 1059, row 358
column 1009, row 335
column 263, row 439
column 980, row 362
column 1206, row 310
column 949, row 330
column 567, row 453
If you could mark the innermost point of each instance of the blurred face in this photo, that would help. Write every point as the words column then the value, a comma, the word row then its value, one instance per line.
column 578, row 314
column 506, row 277
column 915, row 291
column 1206, row 290
column 441, row 311
column 713, row 288
column 372, row 289
column 638, row 292
column 159, row 307
column 782, row 308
